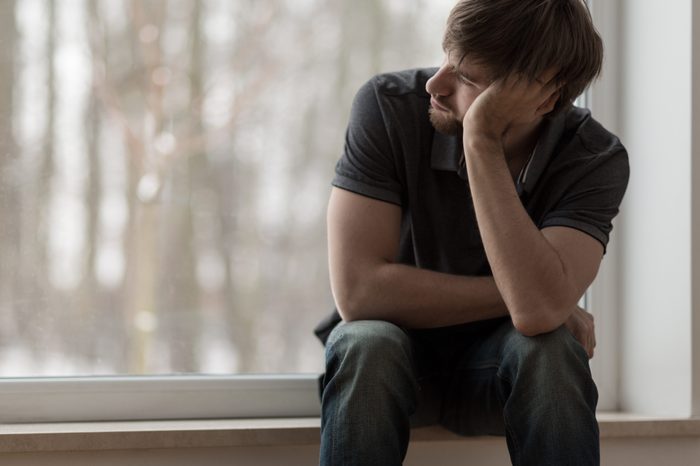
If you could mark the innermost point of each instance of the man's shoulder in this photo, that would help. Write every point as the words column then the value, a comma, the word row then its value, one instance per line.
column 397, row 100
column 586, row 133
column 401, row 83
column 586, row 148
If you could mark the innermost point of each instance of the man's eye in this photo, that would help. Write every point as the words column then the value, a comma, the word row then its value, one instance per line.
column 465, row 80
column 461, row 77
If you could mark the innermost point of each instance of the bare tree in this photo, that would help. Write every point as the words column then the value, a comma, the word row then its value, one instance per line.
column 179, row 291
column 10, row 182
column 193, row 188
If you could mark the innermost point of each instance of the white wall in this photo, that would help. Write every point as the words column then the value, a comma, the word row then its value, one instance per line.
column 654, row 228
column 695, row 147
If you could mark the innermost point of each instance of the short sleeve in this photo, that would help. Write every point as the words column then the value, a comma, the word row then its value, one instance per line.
column 367, row 165
column 592, row 202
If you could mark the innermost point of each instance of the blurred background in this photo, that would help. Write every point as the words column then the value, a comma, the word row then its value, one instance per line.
column 164, row 172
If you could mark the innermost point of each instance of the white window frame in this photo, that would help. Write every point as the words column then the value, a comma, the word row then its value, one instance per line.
column 73, row 399
column 602, row 299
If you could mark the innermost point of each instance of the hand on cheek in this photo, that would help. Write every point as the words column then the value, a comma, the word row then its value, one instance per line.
column 513, row 100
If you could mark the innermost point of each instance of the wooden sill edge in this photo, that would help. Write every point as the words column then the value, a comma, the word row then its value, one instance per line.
column 129, row 435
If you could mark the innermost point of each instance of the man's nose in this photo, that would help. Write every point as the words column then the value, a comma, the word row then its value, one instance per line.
column 440, row 84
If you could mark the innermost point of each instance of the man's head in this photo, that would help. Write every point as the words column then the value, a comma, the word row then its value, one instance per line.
column 492, row 39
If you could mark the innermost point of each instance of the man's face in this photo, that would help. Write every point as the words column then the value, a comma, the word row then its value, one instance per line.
column 452, row 90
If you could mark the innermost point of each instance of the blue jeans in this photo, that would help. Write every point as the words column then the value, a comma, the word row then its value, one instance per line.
column 483, row 378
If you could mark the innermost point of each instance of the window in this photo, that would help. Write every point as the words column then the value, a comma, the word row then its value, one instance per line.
column 164, row 174
column 166, row 170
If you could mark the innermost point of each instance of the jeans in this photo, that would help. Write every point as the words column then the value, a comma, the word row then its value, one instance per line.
column 483, row 378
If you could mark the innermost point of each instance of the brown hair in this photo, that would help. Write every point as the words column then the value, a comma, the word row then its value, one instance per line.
column 528, row 37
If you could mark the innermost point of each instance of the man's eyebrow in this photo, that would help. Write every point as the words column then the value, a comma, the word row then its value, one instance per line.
column 458, row 71
column 464, row 74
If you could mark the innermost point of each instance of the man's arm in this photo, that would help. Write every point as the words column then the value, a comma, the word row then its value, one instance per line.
column 363, row 242
column 367, row 283
column 540, row 274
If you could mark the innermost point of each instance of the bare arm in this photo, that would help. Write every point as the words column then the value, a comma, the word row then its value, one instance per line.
column 363, row 241
column 540, row 274
column 367, row 283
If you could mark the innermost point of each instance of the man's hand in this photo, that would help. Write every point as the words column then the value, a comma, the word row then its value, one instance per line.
column 582, row 327
column 510, row 101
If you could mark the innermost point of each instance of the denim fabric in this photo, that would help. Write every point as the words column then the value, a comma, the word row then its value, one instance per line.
column 483, row 378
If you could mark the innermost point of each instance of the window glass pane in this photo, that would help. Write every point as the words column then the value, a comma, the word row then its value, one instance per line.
column 164, row 172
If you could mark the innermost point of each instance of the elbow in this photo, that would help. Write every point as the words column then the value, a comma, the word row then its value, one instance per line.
column 357, row 293
column 350, row 302
column 532, row 327
column 348, row 309
column 546, row 320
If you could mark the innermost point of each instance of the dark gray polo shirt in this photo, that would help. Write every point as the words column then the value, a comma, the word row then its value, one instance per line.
column 576, row 176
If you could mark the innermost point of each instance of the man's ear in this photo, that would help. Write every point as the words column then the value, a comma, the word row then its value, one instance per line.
column 548, row 105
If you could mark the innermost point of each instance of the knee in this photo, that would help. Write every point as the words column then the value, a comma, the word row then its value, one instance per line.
column 550, row 370
column 374, row 338
column 556, row 355
column 368, row 349
column 369, row 369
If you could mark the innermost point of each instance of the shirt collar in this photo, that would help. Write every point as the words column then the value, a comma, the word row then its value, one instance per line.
column 544, row 150
column 446, row 152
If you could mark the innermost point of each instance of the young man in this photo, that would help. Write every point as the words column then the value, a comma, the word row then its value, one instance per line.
column 470, row 211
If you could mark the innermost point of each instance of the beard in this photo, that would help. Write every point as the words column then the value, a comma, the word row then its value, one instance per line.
column 444, row 122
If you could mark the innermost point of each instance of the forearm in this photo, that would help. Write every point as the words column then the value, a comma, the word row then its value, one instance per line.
column 419, row 298
column 526, row 268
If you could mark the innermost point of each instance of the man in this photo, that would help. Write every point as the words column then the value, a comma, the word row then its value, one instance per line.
column 470, row 211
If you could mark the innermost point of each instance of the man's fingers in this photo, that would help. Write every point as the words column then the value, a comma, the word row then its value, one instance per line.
column 547, row 100
column 583, row 328
column 550, row 87
column 547, row 76
column 592, row 332
column 550, row 90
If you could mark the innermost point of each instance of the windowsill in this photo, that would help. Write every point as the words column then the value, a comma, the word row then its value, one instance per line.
column 125, row 435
